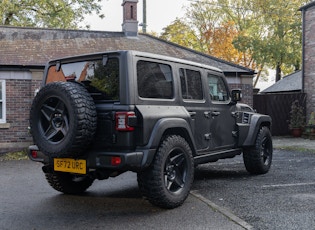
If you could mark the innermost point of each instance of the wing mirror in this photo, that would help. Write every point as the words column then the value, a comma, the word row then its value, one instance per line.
column 236, row 95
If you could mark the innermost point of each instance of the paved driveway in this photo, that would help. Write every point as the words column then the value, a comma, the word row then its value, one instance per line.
column 28, row 202
column 284, row 198
column 224, row 197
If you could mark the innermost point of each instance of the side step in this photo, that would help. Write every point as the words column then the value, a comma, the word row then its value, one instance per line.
column 214, row 156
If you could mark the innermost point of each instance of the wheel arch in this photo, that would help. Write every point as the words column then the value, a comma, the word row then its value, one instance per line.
column 257, row 121
column 171, row 126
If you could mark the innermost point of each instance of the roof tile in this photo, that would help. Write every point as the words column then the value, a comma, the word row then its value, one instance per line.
column 35, row 46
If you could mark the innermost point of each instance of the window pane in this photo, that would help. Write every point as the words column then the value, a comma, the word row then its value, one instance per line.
column 183, row 83
column 1, row 110
column 217, row 88
column 194, row 85
column 154, row 80
column 0, row 91
column 101, row 81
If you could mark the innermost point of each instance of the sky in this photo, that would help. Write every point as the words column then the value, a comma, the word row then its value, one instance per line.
column 160, row 13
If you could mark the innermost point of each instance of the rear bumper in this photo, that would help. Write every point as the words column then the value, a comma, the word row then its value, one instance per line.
column 133, row 161
column 35, row 155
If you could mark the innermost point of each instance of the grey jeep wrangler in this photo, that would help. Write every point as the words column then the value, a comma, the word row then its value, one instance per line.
column 99, row 115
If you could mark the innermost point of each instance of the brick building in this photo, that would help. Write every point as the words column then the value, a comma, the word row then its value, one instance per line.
column 308, row 53
column 25, row 51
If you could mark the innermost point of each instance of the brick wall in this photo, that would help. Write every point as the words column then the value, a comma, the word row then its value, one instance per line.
column 247, row 92
column 309, row 60
column 19, row 95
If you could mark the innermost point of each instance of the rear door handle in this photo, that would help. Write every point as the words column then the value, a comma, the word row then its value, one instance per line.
column 192, row 114
column 215, row 113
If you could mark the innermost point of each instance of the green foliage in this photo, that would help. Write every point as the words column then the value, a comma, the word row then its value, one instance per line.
column 106, row 78
column 267, row 33
column 180, row 33
column 311, row 121
column 14, row 156
column 64, row 14
column 297, row 118
column 276, row 39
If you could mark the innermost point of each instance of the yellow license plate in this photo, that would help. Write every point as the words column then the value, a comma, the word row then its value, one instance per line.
column 70, row 165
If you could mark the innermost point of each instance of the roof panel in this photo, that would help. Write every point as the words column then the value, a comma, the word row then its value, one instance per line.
column 34, row 46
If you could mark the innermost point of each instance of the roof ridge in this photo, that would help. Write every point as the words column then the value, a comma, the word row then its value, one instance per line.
column 308, row 5
column 291, row 74
column 58, row 29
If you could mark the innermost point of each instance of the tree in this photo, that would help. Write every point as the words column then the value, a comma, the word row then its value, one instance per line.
column 205, row 30
column 271, row 32
column 256, row 34
column 222, row 45
column 180, row 33
column 47, row 13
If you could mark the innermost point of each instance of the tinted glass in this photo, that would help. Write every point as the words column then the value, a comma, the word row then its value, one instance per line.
column 217, row 88
column 101, row 81
column 191, row 84
column 155, row 80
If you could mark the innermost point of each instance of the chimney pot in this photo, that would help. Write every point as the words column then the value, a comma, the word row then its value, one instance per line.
column 130, row 22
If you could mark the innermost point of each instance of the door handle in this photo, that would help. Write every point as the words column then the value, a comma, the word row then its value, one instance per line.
column 211, row 113
column 215, row 113
column 192, row 114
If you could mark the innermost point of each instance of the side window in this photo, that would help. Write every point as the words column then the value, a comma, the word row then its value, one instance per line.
column 217, row 89
column 155, row 80
column 2, row 102
column 191, row 84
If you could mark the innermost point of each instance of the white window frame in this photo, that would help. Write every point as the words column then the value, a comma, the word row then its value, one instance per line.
column 3, row 100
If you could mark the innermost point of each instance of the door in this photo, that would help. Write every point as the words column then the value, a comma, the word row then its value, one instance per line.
column 197, row 106
column 223, row 120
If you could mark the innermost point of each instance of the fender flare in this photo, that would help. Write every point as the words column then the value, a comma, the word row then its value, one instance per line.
column 157, row 133
column 256, row 122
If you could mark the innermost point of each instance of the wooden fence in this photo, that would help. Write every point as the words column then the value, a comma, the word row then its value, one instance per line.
column 278, row 106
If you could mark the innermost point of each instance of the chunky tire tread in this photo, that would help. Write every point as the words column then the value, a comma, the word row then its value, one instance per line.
column 258, row 158
column 82, row 118
column 152, row 182
column 68, row 183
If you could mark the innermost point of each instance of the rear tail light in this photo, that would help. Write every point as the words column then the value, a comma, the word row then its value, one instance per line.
column 123, row 120
column 115, row 161
column 34, row 154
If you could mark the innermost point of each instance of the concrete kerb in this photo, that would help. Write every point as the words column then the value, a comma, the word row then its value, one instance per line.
column 293, row 143
column 228, row 214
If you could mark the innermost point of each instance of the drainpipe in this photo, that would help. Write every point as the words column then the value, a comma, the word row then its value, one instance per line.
column 303, row 44
column 144, row 23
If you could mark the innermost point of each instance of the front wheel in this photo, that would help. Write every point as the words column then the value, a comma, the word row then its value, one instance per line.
column 258, row 158
column 168, row 181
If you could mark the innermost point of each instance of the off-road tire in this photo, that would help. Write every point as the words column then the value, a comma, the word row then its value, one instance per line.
column 167, row 182
column 68, row 183
column 63, row 119
column 257, row 159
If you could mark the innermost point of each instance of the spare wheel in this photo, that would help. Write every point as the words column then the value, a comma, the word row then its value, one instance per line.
column 63, row 119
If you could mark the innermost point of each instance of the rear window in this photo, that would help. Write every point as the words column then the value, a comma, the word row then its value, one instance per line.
column 155, row 80
column 101, row 81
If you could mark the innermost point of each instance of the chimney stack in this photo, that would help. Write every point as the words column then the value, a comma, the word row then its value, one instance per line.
column 130, row 22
